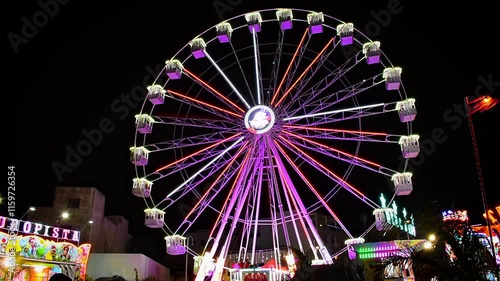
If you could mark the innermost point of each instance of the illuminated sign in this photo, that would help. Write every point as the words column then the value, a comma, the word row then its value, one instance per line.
column 455, row 216
column 490, row 215
column 259, row 119
column 39, row 229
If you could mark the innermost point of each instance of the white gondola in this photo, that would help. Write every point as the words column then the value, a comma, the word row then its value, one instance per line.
column 144, row 123
column 350, row 249
column 156, row 94
column 372, row 52
column 139, row 156
column 198, row 46
column 315, row 21
column 285, row 17
column 382, row 222
column 254, row 21
column 346, row 33
column 392, row 78
column 402, row 183
column 154, row 218
column 406, row 110
column 174, row 68
column 409, row 146
column 141, row 187
column 224, row 32
column 176, row 245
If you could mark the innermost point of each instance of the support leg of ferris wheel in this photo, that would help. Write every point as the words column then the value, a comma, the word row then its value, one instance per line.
column 322, row 249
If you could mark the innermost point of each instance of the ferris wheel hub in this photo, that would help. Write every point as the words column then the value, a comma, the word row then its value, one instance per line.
column 259, row 119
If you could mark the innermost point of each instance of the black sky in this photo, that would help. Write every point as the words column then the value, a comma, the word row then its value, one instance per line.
column 65, row 75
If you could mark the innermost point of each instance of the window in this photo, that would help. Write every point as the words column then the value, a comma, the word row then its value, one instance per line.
column 74, row 203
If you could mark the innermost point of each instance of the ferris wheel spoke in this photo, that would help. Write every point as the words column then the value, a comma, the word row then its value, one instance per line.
column 339, row 154
column 339, row 134
column 214, row 159
column 193, row 160
column 289, row 204
column 303, row 98
column 308, row 75
column 296, row 216
column 205, row 106
column 213, row 91
column 212, row 191
column 327, row 172
column 314, row 191
column 239, row 195
column 204, row 139
column 300, row 93
column 341, row 95
column 221, row 72
column 277, row 205
column 319, row 118
column 258, row 76
column 287, row 76
column 318, row 59
column 240, row 67
column 214, row 124
column 303, row 210
column 276, row 67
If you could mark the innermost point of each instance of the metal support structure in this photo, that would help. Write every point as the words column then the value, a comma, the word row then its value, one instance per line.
column 479, row 172
column 187, row 254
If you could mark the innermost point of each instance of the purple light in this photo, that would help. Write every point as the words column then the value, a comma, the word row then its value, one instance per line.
column 156, row 99
column 174, row 74
column 316, row 28
column 372, row 59
column 287, row 24
column 346, row 40
column 223, row 38
column 392, row 85
column 198, row 53
column 254, row 26
column 144, row 128
column 140, row 160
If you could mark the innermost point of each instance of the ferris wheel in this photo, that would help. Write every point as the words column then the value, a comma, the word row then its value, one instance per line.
column 271, row 129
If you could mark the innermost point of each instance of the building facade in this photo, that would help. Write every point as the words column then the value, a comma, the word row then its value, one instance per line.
column 85, row 208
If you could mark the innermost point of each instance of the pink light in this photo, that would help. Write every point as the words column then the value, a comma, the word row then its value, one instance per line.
column 204, row 103
column 214, row 90
column 362, row 133
column 308, row 184
column 333, row 149
column 232, row 189
column 294, row 202
column 304, row 72
column 289, row 66
column 242, row 148
column 196, row 152
column 323, row 167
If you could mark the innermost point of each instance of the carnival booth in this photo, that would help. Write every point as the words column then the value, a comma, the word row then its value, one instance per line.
column 402, row 270
column 32, row 251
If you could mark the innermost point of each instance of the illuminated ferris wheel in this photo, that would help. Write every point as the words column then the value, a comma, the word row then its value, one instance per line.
column 264, row 121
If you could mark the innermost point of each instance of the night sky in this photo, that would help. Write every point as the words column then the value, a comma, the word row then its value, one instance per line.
column 65, row 75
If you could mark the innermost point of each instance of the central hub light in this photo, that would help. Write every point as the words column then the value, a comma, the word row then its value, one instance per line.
column 259, row 119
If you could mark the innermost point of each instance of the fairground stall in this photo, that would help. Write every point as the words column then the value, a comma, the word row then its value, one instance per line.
column 31, row 251
column 402, row 270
